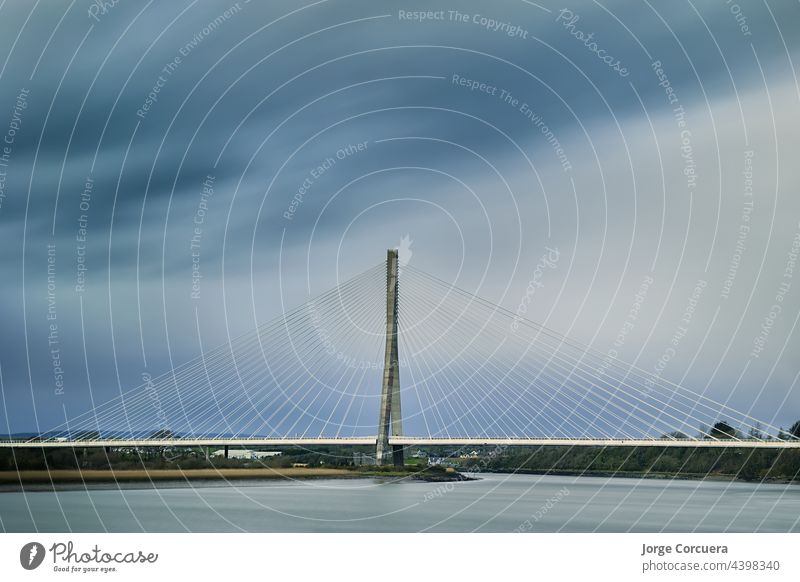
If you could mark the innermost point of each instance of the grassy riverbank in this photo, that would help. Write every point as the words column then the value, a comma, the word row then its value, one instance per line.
column 68, row 465
column 633, row 475
column 59, row 476
column 779, row 466
column 127, row 475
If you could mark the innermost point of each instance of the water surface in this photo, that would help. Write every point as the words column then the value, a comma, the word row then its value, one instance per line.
column 495, row 503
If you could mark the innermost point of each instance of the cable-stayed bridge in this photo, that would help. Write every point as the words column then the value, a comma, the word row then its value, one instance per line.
column 335, row 371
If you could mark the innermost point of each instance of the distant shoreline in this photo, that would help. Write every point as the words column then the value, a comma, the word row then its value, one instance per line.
column 110, row 476
column 637, row 475
column 77, row 477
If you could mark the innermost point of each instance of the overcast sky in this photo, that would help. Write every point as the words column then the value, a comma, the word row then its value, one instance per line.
column 487, row 133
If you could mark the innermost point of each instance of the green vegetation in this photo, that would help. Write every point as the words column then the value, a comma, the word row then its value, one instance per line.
column 31, row 459
column 688, row 462
column 96, row 458
column 410, row 461
column 160, row 458
column 683, row 462
column 722, row 430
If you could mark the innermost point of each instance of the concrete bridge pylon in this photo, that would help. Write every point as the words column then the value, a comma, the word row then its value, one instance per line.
column 390, row 419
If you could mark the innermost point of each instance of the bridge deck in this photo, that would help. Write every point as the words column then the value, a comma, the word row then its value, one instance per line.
column 405, row 441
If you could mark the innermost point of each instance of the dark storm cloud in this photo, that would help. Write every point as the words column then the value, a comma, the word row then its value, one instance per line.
column 88, row 112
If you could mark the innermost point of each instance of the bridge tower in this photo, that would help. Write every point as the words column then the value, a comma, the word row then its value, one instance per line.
column 390, row 420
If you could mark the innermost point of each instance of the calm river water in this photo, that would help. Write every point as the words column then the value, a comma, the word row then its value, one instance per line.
column 495, row 503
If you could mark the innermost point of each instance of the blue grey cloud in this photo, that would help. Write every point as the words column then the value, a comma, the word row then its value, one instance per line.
column 547, row 145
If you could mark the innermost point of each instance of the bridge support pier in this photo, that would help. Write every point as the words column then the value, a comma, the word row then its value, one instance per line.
column 390, row 420
column 226, row 451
